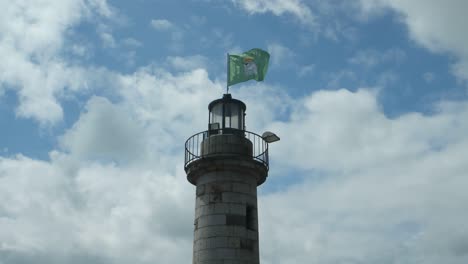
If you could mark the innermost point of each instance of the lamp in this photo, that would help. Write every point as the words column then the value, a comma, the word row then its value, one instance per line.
column 270, row 137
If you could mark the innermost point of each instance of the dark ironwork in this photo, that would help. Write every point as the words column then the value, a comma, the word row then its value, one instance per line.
column 193, row 150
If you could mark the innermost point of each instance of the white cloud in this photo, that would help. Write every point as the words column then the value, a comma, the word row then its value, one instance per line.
column 444, row 32
column 161, row 24
column 306, row 70
column 387, row 187
column 32, row 36
column 336, row 79
column 283, row 57
column 81, row 50
column 320, row 18
column 370, row 58
column 105, row 131
column 280, row 55
column 376, row 190
column 101, row 7
column 187, row 63
column 107, row 39
column 353, row 123
column 156, row 108
column 294, row 7
column 52, row 213
column 118, row 193
column 460, row 69
column 177, row 34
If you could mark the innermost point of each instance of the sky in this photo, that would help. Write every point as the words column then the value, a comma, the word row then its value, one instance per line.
column 369, row 97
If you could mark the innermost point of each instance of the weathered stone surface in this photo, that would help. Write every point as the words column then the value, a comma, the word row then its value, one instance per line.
column 208, row 167
column 226, row 218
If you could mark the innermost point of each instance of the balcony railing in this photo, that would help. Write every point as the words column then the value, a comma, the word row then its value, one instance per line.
column 193, row 146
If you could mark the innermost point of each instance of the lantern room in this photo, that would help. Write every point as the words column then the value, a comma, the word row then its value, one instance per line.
column 226, row 115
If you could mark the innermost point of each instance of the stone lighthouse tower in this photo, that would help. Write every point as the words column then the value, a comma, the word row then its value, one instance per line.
column 226, row 163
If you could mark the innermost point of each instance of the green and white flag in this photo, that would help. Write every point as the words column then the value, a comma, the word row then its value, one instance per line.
column 250, row 65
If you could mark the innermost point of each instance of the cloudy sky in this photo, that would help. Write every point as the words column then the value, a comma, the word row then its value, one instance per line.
column 369, row 97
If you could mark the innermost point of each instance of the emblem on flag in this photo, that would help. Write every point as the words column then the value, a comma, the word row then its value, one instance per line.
column 250, row 65
column 250, row 68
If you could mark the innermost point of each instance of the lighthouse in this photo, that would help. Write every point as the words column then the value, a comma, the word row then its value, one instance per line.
column 226, row 163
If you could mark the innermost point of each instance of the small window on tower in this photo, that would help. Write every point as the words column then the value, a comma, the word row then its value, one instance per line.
column 250, row 215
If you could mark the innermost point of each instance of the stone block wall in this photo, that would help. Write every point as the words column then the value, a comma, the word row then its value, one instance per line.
column 226, row 219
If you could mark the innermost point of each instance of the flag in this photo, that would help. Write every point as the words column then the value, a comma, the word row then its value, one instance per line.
column 250, row 65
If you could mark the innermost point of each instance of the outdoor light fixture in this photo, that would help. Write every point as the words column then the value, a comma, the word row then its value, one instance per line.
column 270, row 137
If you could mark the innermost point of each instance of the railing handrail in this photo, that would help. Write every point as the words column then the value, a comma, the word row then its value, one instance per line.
column 259, row 145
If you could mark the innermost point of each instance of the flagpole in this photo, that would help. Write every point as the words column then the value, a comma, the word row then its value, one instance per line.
column 227, row 73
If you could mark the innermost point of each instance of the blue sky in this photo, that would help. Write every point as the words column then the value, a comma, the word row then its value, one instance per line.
column 369, row 98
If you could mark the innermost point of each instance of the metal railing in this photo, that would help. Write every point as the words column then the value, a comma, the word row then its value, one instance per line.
column 193, row 145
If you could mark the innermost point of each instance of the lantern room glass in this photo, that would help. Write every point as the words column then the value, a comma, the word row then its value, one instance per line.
column 217, row 115
column 232, row 113
column 226, row 114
